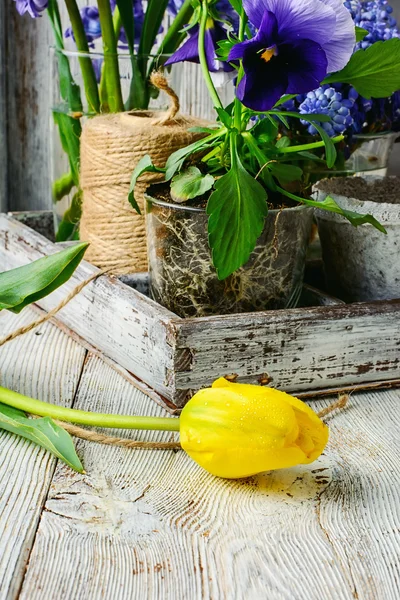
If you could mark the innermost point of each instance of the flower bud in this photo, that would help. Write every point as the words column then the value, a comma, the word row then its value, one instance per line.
column 236, row 430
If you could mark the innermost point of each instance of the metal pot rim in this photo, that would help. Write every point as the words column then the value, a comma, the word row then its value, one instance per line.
column 194, row 209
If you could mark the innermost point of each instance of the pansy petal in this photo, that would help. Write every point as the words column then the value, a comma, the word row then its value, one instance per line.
column 308, row 66
column 262, row 85
column 302, row 19
column 266, row 36
column 255, row 10
column 189, row 51
column 341, row 45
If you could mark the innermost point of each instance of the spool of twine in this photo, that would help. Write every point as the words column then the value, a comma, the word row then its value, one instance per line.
column 111, row 147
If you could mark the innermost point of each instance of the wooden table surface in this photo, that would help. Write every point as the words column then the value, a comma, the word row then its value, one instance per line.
column 152, row 525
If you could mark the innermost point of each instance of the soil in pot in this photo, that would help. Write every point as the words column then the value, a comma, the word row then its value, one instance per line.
column 182, row 276
column 361, row 263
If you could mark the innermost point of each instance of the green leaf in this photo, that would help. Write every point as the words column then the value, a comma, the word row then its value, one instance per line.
column 68, row 226
column 24, row 285
column 265, row 130
column 176, row 160
column 225, row 118
column 70, row 91
column 373, row 72
column 151, row 25
column 126, row 8
column 354, row 218
column 285, row 173
column 331, row 205
column 284, row 99
column 62, row 186
column 361, row 33
column 44, row 432
column 283, row 142
column 145, row 165
column 330, row 149
column 70, row 133
column 189, row 184
column 237, row 5
column 237, row 209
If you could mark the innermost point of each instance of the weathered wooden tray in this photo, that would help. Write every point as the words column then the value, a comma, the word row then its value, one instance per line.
column 315, row 348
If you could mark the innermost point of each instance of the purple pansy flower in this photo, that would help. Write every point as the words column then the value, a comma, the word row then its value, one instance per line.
column 297, row 43
column 33, row 7
column 189, row 51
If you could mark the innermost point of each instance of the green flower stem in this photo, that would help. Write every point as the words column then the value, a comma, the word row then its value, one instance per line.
column 238, row 106
column 44, row 409
column 202, row 55
column 88, row 74
column 310, row 146
column 111, row 68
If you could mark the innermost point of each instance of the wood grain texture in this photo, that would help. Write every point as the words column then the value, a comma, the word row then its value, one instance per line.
column 136, row 339
column 150, row 524
column 46, row 365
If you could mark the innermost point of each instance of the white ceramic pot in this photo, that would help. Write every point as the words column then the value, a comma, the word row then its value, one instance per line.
column 361, row 263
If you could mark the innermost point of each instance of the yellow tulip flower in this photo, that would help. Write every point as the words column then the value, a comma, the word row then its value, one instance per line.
column 236, row 430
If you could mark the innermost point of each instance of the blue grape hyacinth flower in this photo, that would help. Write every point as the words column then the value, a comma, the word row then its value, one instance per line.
column 297, row 43
column 328, row 101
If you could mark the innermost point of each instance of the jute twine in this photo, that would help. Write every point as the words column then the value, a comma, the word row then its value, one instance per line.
column 111, row 147
column 51, row 313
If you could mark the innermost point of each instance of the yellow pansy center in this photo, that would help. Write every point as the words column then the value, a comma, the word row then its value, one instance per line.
column 269, row 53
column 210, row 23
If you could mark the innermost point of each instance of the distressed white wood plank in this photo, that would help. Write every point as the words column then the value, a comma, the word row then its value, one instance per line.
column 44, row 364
column 151, row 524
column 300, row 350
column 125, row 325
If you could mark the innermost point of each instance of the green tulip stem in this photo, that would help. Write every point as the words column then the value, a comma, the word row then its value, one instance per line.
column 45, row 409
column 111, row 67
column 203, row 59
column 88, row 74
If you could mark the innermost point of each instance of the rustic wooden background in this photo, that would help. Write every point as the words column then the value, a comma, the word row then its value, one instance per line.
column 25, row 115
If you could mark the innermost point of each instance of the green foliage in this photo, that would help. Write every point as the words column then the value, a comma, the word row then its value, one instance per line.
column 354, row 218
column 176, row 160
column 24, row 285
column 44, row 432
column 285, row 173
column 70, row 132
column 189, row 184
column 145, row 165
column 373, row 72
column 237, row 209
column 67, row 229
column 360, row 34
column 331, row 205
column 62, row 186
